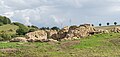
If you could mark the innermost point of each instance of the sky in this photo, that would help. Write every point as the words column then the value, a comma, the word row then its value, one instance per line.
column 49, row 13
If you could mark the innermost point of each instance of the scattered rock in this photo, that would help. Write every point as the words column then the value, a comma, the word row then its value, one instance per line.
column 66, row 33
column 18, row 39
column 74, row 32
column 116, row 29
column 51, row 33
column 52, row 40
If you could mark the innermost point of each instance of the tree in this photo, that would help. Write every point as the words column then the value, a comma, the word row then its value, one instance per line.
column 45, row 28
column 1, row 24
column 108, row 24
column 5, row 36
column 22, row 28
column 115, row 23
column 92, row 24
column 34, row 27
column 32, row 30
column 21, row 31
column 55, row 28
column 100, row 24
column 4, row 20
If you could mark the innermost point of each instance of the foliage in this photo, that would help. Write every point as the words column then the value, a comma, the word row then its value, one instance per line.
column 8, row 29
column 115, row 23
column 92, row 24
column 108, row 24
column 32, row 30
column 45, row 28
column 100, row 24
column 4, row 20
column 34, row 27
column 5, row 37
column 1, row 24
column 55, row 28
column 22, row 28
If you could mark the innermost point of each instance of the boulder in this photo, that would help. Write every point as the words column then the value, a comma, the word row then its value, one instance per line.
column 60, row 34
column 51, row 33
column 18, row 39
column 39, row 36
column 80, row 31
column 116, row 29
column 74, row 32
column 52, row 40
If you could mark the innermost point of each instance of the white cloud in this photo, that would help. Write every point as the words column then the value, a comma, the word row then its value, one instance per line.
column 54, row 12
column 9, row 14
column 27, row 21
column 115, row 9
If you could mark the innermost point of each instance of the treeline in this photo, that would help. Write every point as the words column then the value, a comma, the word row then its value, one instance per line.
column 115, row 23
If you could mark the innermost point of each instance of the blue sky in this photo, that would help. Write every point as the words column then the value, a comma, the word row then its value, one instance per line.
column 60, row 12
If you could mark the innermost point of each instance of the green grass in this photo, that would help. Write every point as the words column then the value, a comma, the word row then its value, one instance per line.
column 96, row 40
column 7, row 28
column 99, row 45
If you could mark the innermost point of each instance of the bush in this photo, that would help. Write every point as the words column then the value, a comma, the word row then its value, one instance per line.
column 34, row 27
column 1, row 39
column 22, row 28
column 1, row 24
column 5, row 37
column 55, row 28
column 21, row 31
column 32, row 30
column 45, row 28
column 18, row 24
column 4, row 20
column 10, row 30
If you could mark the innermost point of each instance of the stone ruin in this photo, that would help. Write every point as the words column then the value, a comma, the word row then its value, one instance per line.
column 66, row 33
column 71, row 32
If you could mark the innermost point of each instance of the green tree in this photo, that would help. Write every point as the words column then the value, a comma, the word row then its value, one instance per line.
column 22, row 28
column 5, row 36
column 34, row 27
column 55, row 28
column 92, row 24
column 1, row 24
column 4, row 20
column 45, row 28
column 115, row 23
column 100, row 24
column 32, row 30
column 108, row 24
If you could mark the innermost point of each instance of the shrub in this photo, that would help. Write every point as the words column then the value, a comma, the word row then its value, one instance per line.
column 115, row 23
column 22, row 28
column 34, row 27
column 32, row 30
column 5, row 36
column 22, row 31
column 1, row 24
column 4, row 20
column 100, row 24
column 45, row 28
column 55, row 28
column 10, row 30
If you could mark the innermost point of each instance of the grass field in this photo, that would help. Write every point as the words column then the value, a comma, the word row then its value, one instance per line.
column 99, row 45
column 9, row 29
column 107, row 27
